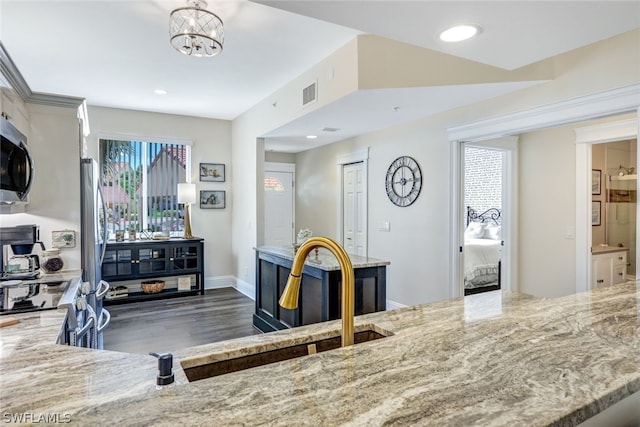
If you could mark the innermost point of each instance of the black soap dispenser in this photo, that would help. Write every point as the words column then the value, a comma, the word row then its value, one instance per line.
column 165, row 368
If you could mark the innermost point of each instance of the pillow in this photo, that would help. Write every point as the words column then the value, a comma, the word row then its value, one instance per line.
column 475, row 230
column 493, row 232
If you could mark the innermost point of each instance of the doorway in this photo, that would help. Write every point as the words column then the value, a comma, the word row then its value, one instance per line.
column 503, row 228
column 354, row 209
column 588, row 140
column 482, row 246
column 615, row 201
column 279, row 204
column 353, row 205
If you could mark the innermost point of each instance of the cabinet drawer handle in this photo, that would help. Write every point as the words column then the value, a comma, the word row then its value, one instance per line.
column 620, row 258
column 137, row 261
column 620, row 274
column 171, row 259
column 600, row 281
column 133, row 261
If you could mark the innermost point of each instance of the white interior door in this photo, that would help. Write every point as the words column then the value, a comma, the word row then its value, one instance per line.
column 279, row 208
column 354, row 209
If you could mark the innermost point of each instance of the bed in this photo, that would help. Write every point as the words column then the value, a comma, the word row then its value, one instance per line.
column 482, row 248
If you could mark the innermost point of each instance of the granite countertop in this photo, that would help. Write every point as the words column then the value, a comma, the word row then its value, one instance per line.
column 607, row 249
column 325, row 259
column 59, row 276
column 490, row 359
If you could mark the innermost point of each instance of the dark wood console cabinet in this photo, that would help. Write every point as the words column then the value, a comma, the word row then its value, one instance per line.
column 148, row 259
column 320, row 292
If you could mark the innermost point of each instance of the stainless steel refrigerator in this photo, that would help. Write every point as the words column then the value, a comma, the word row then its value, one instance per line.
column 93, row 240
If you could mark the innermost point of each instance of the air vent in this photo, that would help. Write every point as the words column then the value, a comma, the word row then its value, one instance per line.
column 330, row 129
column 309, row 94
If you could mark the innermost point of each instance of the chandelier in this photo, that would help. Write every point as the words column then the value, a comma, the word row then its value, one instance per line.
column 195, row 31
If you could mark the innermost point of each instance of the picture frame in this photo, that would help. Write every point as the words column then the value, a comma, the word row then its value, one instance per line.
column 212, row 172
column 214, row 199
column 595, row 213
column 63, row 239
column 596, row 179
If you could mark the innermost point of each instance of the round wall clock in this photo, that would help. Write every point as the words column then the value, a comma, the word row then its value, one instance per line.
column 403, row 181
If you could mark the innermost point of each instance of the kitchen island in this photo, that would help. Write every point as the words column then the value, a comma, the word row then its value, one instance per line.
column 490, row 359
column 320, row 296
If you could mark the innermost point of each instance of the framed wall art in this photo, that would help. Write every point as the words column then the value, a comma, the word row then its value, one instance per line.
column 596, row 179
column 212, row 172
column 212, row 199
column 63, row 239
column 595, row 213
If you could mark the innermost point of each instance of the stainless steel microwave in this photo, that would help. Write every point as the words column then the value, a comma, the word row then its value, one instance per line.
column 16, row 165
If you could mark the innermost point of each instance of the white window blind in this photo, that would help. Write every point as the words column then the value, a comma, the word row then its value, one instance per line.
column 140, row 185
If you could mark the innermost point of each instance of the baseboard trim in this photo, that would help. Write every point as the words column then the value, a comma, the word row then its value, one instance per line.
column 218, row 282
column 392, row 305
column 246, row 288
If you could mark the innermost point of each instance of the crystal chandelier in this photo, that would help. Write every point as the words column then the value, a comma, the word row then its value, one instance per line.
column 195, row 31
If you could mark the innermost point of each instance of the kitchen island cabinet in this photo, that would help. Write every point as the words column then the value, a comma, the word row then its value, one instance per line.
column 320, row 290
column 492, row 359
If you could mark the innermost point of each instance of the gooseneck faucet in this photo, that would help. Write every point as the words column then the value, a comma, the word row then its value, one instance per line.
column 289, row 298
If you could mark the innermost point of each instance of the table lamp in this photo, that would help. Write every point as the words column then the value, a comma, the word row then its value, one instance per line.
column 187, row 195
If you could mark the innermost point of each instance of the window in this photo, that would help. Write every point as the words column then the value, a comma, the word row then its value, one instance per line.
column 140, row 185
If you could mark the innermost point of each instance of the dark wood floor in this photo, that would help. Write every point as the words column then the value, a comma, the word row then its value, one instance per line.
column 176, row 323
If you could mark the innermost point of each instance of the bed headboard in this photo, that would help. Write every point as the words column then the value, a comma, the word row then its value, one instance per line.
column 490, row 216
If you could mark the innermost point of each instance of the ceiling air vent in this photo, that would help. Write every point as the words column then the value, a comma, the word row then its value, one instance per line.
column 330, row 129
column 309, row 94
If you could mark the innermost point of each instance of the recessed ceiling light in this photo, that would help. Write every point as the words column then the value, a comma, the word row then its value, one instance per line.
column 160, row 92
column 312, row 136
column 459, row 33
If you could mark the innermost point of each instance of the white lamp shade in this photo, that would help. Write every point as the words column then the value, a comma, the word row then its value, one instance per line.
column 186, row 193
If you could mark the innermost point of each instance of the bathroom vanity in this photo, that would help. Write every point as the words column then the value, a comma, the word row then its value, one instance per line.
column 608, row 265
column 320, row 288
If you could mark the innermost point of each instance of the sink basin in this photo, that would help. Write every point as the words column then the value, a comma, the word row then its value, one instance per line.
column 195, row 372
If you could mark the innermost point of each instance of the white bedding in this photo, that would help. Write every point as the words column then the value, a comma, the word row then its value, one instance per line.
column 481, row 257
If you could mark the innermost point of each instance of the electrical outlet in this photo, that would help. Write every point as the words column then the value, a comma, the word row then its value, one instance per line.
column 384, row 226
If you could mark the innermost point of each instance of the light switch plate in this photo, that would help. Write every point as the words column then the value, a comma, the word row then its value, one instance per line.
column 570, row 233
column 385, row 226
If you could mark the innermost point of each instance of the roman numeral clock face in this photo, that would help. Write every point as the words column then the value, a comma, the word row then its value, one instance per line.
column 403, row 181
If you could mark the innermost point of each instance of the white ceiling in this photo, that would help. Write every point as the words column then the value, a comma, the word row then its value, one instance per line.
column 115, row 53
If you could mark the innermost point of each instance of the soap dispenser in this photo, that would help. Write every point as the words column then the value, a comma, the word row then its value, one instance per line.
column 165, row 369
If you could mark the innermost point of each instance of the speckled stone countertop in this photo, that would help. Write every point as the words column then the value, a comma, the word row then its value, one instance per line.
column 495, row 359
column 325, row 260
column 59, row 276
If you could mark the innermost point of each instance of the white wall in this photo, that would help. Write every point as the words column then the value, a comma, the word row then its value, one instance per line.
column 419, row 244
column 54, row 201
column 211, row 144
column 547, row 207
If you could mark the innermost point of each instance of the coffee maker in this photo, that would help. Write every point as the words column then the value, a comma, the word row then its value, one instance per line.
column 23, row 264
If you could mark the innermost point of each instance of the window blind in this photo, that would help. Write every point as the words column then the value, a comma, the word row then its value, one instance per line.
column 140, row 185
